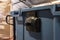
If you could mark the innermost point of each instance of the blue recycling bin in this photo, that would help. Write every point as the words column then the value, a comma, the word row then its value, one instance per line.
column 50, row 23
column 50, row 18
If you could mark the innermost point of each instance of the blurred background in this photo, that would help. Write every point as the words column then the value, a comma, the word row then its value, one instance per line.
column 6, row 6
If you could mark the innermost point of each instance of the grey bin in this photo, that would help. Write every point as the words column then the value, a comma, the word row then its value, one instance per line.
column 50, row 24
column 50, row 28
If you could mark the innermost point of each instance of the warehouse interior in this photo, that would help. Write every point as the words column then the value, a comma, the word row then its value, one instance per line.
column 29, row 19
